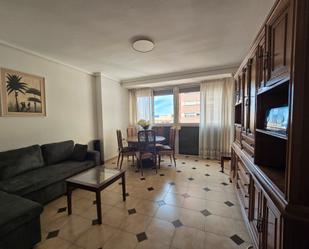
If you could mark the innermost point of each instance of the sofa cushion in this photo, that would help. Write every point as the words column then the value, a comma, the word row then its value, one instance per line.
column 57, row 152
column 16, row 211
column 37, row 179
column 79, row 152
column 15, row 162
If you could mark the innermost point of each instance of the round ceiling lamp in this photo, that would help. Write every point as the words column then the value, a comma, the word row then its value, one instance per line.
column 143, row 45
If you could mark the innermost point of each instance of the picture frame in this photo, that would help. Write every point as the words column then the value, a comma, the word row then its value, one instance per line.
column 277, row 119
column 22, row 94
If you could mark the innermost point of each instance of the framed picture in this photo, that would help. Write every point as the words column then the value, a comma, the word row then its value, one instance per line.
column 22, row 94
column 277, row 119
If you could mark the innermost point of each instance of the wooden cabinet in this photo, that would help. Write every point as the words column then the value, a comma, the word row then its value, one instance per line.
column 271, row 230
column 279, row 29
column 243, row 183
column 256, row 214
column 269, row 168
column 252, row 94
column 244, row 81
column 248, row 81
column 265, row 219
column 261, row 58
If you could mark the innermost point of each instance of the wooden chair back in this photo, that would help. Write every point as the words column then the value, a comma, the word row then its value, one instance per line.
column 131, row 131
column 172, row 138
column 147, row 141
column 119, row 140
column 159, row 130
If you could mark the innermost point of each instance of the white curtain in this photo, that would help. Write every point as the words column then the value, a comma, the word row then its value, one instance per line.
column 141, row 105
column 132, row 107
column 216, row 130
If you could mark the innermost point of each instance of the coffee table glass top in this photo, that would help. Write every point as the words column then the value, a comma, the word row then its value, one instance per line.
column 95, row 176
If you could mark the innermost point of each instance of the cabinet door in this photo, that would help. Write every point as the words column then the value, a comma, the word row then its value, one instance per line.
column 272, row 226
column 240, row 88
column 244, row 80
column 237, row 90
column 261, row 62
column 256, row 211
column 251, row 94
column 279, row 30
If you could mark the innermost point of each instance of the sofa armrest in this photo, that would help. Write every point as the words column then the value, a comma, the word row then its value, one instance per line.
column 93, row 156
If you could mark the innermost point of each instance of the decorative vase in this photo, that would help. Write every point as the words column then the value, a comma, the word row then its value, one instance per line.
column 146, row 127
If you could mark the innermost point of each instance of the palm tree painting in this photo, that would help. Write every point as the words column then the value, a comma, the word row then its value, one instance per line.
column 14, row 85
column 22, row 94
column 36, row 97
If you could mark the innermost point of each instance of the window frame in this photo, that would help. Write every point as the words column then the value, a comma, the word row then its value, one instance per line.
column 175, row 91
column 162, row 92
column 188, row 89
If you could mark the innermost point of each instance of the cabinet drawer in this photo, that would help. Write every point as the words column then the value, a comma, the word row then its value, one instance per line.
column 246, row 147
column 247, row 143
column 249, row 139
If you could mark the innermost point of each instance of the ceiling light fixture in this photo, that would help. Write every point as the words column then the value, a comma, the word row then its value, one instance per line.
column 143, row 45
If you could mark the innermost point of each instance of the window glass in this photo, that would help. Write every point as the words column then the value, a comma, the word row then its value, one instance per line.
column 164, row 109
column 189, row 107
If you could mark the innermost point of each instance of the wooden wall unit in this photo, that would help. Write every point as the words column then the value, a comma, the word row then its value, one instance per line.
column 269, row 169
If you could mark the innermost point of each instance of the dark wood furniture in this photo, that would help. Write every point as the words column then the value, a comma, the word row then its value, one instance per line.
column 168, row 150
column 95, row 180
column 124, row 150
column 270, row 170
column 222, row 160
column 159, row 130
column 146, row 148
column 131, row 131
column 134, row 140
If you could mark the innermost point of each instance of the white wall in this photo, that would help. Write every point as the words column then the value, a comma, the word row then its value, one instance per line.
column 115, row 110
column 70, row 104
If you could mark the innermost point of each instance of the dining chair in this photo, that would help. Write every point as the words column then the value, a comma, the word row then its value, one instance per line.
column 168, row 150
column 131, row 131
column 146, row 148
column 123, row 150
column 159, row 130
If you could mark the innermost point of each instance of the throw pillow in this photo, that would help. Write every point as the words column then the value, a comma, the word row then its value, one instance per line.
column 79, row 152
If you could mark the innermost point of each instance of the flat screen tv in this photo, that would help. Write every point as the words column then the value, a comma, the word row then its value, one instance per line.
column 277, row 119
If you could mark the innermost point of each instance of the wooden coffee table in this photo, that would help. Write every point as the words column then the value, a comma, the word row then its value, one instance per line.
column 95, row 180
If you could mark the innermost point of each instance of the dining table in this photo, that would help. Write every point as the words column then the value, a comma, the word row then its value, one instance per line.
column 133, row 140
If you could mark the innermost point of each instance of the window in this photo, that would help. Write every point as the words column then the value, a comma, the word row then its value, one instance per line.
column 189, row 106
column 163, row 107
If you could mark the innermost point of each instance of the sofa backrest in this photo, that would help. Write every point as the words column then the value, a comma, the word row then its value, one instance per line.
column 15, row 162
column 57, row 152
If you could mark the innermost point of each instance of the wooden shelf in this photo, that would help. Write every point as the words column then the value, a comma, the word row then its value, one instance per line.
column 276, row 175
column 272, row 133
column 266, row 89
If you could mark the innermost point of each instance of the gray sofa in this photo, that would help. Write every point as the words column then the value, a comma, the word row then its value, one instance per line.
column 31, row 177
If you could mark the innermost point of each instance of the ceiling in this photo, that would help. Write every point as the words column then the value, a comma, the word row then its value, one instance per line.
column 96, row 35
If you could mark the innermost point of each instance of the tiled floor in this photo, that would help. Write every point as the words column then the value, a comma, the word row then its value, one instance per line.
column 192, row 206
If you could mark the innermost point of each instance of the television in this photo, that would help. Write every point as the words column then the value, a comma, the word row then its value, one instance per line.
column 276, row 119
